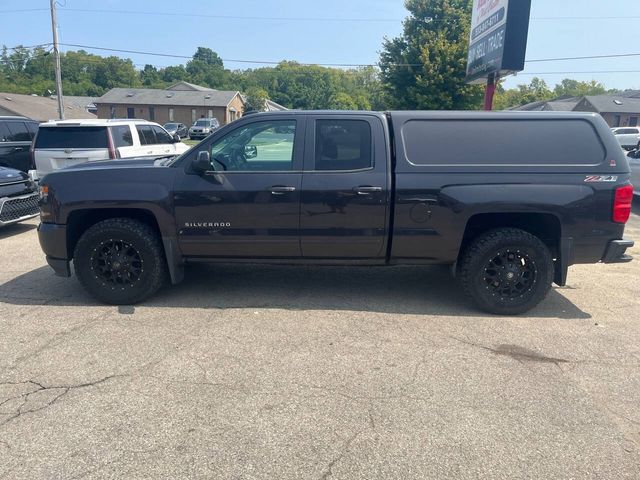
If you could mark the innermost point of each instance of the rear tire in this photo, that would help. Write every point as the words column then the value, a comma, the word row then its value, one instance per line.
column 506, row 271
column 120, row 261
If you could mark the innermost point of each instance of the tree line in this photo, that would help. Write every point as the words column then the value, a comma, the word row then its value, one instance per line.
column 423, row 68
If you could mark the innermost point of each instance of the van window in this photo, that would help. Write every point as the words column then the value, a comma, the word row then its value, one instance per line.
column 72, row 137
column 501, row 142
column 122, row 136
column 343, row 145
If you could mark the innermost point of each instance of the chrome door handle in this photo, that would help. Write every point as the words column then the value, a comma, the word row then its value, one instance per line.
column 366, row 190
column 280, row 190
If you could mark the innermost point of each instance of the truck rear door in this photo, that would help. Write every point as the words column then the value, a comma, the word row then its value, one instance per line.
column 346, row 187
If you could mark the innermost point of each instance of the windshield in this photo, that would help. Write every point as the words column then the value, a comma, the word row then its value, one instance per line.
column 168, row 126
column 202, row 123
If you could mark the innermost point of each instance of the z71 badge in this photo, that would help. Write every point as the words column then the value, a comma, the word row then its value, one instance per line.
column 601, row 178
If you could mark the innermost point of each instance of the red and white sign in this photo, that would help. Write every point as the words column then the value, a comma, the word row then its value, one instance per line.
column 487, row 16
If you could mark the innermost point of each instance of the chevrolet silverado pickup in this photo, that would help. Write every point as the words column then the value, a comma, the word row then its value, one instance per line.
column 509, row 200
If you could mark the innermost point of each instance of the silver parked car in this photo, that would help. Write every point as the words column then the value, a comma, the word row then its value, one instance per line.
column 203, row 128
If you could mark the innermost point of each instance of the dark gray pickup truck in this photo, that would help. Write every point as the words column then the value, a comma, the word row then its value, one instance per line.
column 511, row 200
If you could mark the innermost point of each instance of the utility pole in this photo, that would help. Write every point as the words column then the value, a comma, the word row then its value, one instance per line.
column 56, row 52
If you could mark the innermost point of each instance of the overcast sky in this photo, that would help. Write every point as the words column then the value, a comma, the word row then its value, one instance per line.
column 326, row 31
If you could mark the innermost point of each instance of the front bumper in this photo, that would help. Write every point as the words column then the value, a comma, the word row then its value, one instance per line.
column 616, row 252
column 53, row 241
column 18, row 209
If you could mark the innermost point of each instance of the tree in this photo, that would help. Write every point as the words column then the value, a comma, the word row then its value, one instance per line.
column 536, row 91
column 206, row 68
column 575, row 88
column 425, row 68
column 255, row 99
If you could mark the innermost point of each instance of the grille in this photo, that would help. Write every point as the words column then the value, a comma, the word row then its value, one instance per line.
column 14, row 209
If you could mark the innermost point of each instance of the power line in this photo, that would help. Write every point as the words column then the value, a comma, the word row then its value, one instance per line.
column 293, row 19
column 577, row 73
column 231, row 60
column 590, row 57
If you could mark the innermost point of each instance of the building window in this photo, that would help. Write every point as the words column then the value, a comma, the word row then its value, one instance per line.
column 171, row 119
column 152, row 113
column 616, row 121
column 193, row 115
column 113, row 111
column 210, row 114
column 131, row 112
column 633, row 122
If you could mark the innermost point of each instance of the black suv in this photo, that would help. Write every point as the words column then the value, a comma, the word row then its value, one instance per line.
column 18, row 197
column 16, row 134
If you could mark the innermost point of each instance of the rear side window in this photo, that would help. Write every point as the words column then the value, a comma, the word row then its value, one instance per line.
column 343, row 145
column 146, row 135
column 18, row 132
column 122, row 136
column 33, row 128
column 72, row 137
column 501, row 142
column 4, row 132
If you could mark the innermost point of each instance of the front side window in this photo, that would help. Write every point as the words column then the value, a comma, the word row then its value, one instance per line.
column 161, row 135
column 343, row 145
column 121, row 135
column 260, row 146
column 146, row 135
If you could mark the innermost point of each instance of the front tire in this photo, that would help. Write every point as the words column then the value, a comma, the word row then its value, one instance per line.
column 506, row 271
column 120, row 261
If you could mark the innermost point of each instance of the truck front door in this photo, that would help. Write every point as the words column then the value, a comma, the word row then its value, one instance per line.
column 248, row 204
column 345, row 188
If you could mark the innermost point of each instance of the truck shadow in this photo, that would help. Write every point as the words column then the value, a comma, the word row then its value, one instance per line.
column 400, row 290
column 16, row 229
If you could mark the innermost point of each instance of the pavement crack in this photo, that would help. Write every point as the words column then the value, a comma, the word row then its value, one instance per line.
column 328, row 471
column 63, row 390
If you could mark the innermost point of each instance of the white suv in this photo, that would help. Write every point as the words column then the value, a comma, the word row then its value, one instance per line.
column 628, row 137
column 64, row 143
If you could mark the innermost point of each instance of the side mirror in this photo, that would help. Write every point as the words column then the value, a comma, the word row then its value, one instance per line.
column 202, row 163
column 176, row 138
column 250, row 151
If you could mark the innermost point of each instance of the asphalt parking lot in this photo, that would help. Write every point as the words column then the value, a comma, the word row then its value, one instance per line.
column 247, row 372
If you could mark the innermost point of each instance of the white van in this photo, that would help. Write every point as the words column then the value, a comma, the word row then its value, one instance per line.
column 64, row 143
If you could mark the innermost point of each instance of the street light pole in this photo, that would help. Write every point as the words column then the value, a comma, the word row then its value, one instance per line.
column 56, row 53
